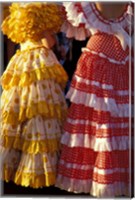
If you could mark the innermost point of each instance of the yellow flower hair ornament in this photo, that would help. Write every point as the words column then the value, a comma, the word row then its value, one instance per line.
column 29, row 21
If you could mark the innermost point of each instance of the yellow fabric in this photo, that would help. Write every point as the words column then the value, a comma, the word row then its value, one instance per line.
column 32, row 147
column 31, row 20
column 55, row 72
column 46, row 110
column 32, row 97
column 9, row 117
column 29, row 179
column 35, row 181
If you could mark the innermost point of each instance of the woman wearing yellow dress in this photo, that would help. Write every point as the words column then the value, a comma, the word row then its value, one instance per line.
column 33, row 106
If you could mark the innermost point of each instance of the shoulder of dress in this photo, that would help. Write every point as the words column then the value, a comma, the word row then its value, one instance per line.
column 85, row 13
column 85, row 16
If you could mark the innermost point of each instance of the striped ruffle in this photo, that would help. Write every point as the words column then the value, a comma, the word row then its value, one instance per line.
column 95, row 143
column 92, row 67
column 99, row 103
column 101, row 85
column 97, row 173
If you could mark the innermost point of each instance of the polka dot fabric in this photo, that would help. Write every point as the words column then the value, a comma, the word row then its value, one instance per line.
column 95, row 143
column 109, row 45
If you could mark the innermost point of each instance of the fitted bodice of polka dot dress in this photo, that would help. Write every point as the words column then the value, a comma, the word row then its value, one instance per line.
column 95, row 153
column 33, row 109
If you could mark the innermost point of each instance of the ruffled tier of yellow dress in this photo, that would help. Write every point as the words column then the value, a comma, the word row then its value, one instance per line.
column 33, row 109
column 33, row 170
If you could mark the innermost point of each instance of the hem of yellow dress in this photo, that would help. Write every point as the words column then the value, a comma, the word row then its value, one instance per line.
column 29, row 179
column 35, row 181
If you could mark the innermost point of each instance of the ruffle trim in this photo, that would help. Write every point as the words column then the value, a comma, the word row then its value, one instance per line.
column 84, row 13
column 46, row 110
column 29, row 179
column 36, row 128
column 55, row 72
column 31, row 147
column 34, row 180
column 99, row 126
column 79, row 33
column 100, row 130
column 91, row 187
column 104, row 104
column 89, row 167
column 92, row 83
column 34, row 170
column 97, row 144
column 102, row 55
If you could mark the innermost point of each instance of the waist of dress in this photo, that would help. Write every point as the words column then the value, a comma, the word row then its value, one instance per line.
column 102, row 55
column 29, row 45
column 108, row 46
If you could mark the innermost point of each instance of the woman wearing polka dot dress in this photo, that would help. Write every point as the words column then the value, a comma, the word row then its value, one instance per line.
column 95, row 143
column 33, row 106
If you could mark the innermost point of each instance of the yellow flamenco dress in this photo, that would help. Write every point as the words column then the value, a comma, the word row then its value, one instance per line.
column 33, row 107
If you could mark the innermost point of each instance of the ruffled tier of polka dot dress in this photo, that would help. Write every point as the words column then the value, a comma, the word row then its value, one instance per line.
column 33, row 109
column 95, row 151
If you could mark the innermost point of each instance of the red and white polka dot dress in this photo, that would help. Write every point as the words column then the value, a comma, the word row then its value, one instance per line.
column 95, row 153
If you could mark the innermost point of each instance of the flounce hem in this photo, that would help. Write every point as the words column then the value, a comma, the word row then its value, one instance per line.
column 34, row 180
column 97, row 144
column 79, row 33
column 29, row 180
column 91, row 187
column 98, row 103
column 34, row 170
